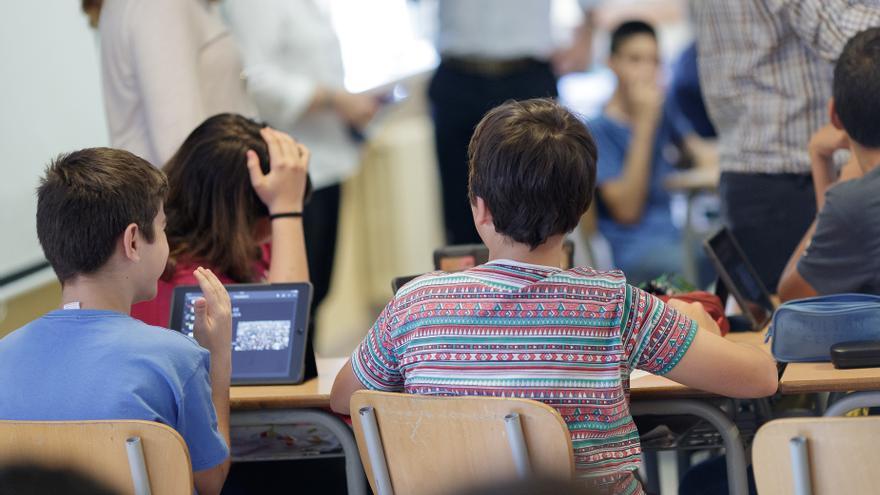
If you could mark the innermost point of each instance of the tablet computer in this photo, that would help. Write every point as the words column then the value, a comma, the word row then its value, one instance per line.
column 740, row 278
column 269, row 329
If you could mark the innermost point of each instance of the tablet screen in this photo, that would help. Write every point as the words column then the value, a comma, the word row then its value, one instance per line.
column 745, row 281
column 263, row 325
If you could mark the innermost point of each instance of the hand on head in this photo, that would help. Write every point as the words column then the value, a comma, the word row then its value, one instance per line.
column 283, row 188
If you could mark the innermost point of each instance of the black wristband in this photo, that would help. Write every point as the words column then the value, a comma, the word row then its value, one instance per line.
column 290, row 214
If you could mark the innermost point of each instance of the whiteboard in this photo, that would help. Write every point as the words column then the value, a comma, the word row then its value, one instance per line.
column 50, row 102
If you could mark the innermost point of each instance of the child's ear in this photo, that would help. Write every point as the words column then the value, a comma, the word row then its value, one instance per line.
column 131, row 242
column 832, row 113
column 482, row 215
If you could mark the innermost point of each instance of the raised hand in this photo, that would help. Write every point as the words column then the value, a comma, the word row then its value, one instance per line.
column 283, row 188
column 213, row 325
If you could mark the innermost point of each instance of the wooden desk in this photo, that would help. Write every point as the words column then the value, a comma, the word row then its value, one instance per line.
column 308, row 402
column 647, row 386
column 311, row 393
column 802, row 378
column 862, row 385
column 657, row 395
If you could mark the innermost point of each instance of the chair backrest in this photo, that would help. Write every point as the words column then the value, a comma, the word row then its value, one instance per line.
column 98, row 449
column 841, row 453
column 436, row 445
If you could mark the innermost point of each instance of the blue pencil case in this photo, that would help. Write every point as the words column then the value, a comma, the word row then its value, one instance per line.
column 803, row 330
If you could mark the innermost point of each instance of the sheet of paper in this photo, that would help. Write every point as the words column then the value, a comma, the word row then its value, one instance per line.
column 636, row 374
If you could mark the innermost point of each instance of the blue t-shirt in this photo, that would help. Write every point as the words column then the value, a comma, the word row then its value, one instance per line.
column 91, row 364
column 613, row 138
column 685, row 93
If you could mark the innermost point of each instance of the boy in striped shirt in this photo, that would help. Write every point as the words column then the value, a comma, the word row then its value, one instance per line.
column 518, row 326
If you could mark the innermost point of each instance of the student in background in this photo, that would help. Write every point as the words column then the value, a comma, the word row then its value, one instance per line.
column 293, row 64
column 234, row 205
column 765, row 72
column 101, row 224
column 166, row 66
column 841, row 251
column 518, row 326
column 638, row 136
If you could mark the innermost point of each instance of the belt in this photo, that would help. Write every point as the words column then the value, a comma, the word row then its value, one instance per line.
column 489, row 67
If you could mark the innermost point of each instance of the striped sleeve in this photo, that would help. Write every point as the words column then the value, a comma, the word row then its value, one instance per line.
column 654, row 336
column 374, row 361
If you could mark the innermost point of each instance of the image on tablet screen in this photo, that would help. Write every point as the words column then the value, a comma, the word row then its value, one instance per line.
column 262, row 330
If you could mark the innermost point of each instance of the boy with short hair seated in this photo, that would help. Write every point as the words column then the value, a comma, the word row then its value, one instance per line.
column 841, row 250
column 101, row 224
column 519, row 326
column 638, row 135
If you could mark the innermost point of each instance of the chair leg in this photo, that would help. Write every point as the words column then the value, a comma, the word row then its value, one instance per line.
column 138, row 466
column 375, row 451
column 683, row 462
column 517, row 445
column 651, row 462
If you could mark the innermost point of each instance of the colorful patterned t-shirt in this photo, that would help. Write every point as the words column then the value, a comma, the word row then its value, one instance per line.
column 506, row 329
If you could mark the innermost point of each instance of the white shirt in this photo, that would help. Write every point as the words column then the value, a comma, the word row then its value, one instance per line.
column 167, row 65
column 497, row 29
column 289, row 49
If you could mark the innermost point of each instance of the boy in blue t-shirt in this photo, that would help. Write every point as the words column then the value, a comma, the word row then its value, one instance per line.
column 637, row 135
column 100, row 221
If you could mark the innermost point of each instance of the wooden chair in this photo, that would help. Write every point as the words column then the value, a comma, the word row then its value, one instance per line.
column 820, row 456
column 131, row 457
column 415, row 444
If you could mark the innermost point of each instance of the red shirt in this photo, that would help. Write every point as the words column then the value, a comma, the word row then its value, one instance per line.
column 157, row 311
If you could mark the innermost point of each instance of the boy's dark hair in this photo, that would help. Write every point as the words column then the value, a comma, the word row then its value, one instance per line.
column 534, row 164
column 86, row 200
column 857, row 88
column 627, row 30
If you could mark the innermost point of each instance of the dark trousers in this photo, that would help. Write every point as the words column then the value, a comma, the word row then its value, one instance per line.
column 458, row 102
column 320, row 222
column 768, row 214
column 320, row 225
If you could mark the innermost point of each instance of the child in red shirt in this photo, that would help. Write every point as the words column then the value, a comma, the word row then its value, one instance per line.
column 235, row 188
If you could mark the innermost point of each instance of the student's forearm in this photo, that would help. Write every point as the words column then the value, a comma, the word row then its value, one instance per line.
column 289, row 262
column 788, row 281
column 221, row 367
column 704, row 152
column 822, row 177
column 626, row 196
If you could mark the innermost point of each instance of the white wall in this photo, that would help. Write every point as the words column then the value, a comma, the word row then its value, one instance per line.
column 50, row 102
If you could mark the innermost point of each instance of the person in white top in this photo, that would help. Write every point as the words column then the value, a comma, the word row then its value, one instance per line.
column 293, row 66
column 166, row 66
